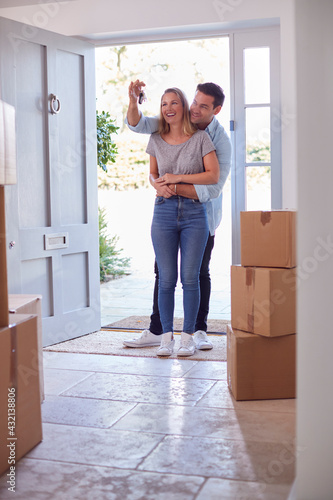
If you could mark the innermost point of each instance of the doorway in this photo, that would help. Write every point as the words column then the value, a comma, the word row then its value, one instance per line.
column 126, row 195
column 247, row 65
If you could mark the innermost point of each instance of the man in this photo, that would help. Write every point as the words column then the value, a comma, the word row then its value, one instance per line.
column 207, row 103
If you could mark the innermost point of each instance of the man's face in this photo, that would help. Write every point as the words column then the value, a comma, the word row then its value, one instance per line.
column 202, row 109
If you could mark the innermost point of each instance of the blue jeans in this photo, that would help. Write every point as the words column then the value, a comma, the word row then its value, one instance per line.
column 179, row 223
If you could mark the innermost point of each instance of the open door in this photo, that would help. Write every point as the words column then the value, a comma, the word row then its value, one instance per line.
column 52, row 214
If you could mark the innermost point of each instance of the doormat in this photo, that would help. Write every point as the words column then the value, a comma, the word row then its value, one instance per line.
column 111, row 342
column 218, row 326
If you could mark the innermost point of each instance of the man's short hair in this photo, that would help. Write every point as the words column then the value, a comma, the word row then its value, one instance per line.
column 214, row 90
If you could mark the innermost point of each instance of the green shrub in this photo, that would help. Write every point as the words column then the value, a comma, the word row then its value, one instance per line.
column 106, row 147
column 111, row 265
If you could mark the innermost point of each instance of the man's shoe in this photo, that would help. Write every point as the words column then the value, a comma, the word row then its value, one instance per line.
column 187, row 345
column 201, row 341
column 147, row 339
column 167, row 343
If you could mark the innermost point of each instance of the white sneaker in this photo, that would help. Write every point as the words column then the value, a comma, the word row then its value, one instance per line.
column 201, row 341
column 167, row 343
column 147, row 339
column 187, row 345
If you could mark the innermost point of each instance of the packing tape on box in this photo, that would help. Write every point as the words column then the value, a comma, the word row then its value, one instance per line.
column 265, row 217
column 13, row 356
column 250, row 323
column 250, row 277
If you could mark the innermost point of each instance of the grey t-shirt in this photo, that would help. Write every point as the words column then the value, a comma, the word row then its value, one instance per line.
column 185, row 158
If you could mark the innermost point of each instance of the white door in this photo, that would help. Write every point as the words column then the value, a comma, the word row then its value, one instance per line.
column 52, row 216
column 256, row 174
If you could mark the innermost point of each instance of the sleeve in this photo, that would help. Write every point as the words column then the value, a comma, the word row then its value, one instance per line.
column 207, row 145
column 151, row 146
column 223, row 152
column 146, row 125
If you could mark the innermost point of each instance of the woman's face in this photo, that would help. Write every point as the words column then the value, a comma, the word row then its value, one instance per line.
column 172, row 108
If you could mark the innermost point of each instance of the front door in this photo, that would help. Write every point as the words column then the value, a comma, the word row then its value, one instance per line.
column 52, row 216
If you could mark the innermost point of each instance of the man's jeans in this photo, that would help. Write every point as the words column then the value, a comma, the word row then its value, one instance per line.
column 179, row 223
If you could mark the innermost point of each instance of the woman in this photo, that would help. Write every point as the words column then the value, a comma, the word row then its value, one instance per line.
column 179, row 153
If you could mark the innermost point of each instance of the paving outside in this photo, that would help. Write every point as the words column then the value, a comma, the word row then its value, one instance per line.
column 129, row 216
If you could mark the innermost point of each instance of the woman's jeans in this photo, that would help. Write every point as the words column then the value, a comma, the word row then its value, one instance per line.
column 179, row 223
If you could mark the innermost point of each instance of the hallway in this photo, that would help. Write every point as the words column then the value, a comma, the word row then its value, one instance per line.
column 124, row 428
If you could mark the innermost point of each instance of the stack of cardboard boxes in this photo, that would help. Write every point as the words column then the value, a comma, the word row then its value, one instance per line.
column 20, row 396
column 261, row 350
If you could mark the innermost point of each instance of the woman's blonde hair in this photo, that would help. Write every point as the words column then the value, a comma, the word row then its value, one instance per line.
column 188, row 127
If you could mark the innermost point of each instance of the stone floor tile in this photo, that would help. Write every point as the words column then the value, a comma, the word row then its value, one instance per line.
column 225, row 458
column 57, row 381
column 118, row 364
column 83, row 412
column 90, row 446
column 45, row 480
column 142, row 389
column 218, row 489
column 210, row 422
column 214, row 370
column 219, row 396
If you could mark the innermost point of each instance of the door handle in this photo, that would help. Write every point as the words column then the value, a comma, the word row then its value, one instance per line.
column 55, row 104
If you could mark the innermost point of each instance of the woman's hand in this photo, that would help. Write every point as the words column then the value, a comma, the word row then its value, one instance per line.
column 161, row 190
column 168, row 179
column 134, row 90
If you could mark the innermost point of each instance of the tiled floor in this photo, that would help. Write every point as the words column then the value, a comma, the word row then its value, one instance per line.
column 125, row 428
column 134, row 428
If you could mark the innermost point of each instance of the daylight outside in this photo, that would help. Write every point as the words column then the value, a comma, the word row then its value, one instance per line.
column 125, row 195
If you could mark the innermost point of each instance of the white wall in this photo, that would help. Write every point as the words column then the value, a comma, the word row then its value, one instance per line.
column 109, row 19
column 101, row 16
column 314, row 45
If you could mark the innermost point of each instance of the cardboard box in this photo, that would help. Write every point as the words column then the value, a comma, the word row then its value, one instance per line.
column 7, row 144
column 19, row 390
column 31, row 304
column 263, row 300
column 268, row 239
column 260, row 367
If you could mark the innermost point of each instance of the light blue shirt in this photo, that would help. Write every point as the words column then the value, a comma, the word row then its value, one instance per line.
column 211, row 194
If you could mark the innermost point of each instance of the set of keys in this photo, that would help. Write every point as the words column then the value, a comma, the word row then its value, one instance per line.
column 142, row 97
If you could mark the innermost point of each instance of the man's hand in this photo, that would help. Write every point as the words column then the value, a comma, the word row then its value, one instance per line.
column 164, row 191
